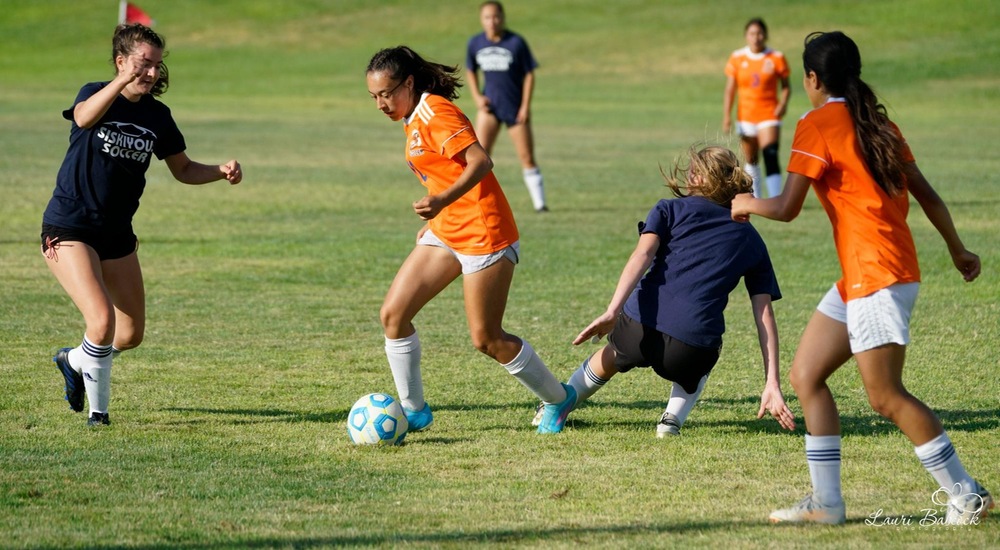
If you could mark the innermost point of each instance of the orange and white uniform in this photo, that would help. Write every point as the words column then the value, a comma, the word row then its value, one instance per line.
column 757, row 77
column 480, row 221
column 873, row 241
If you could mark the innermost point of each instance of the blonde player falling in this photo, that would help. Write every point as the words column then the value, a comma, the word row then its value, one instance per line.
column 667, row 309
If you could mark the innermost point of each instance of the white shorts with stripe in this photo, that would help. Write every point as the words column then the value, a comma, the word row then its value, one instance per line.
column 473, row 263
column 882, row 317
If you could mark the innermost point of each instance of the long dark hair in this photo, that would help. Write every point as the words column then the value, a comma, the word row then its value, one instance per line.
column 835, row 59
column 124, row 42
column 401, row 62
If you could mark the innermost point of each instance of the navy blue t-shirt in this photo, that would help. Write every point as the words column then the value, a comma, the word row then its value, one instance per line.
column 504, row 65
column 703, row 254
column 104, row 172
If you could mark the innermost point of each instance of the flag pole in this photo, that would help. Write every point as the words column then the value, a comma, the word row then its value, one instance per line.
column 122, row 7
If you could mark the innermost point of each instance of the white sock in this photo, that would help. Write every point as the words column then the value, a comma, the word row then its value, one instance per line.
column 681, row 402
column 533, row 181
column 94, row 363
column 823, row 455
column 404, row 362
column 940, row 459
column 530, row 371
column 754, row 172
column 585, row 382
column 773, row 185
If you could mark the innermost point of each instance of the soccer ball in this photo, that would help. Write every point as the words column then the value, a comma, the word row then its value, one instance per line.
column 377, row 419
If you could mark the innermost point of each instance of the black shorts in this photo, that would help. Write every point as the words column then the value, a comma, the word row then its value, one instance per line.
column 637, row 345
column 108, row 245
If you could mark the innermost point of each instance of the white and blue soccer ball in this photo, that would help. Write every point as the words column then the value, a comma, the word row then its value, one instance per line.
column 377, row 419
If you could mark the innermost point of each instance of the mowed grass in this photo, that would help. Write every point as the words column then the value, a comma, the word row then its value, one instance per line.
column 228, row 422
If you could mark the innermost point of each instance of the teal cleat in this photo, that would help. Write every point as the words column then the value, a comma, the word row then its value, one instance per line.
column 554, row 414
column 419, row 420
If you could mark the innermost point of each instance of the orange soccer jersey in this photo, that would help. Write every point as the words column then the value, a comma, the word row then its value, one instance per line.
column 873, row 241
column 757, row 76
column 479, row 222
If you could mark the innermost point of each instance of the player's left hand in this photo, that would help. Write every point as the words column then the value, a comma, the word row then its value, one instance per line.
column 428, row 207
column 597, row 328
column 739, row 208
column 968, row 264
column 772, row 401
column 232, row 171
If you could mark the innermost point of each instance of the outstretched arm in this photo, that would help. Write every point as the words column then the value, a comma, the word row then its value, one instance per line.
column 785, row 207
column 937, row 212
column 637, row 265
column 771, row 400
column 190, row 172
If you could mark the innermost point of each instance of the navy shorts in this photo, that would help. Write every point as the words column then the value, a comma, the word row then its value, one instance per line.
column 108, row 245
column 637, row 345
column 504, row 114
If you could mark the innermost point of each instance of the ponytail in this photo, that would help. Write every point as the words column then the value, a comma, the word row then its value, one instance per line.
column 401, row 62
column 836, row 60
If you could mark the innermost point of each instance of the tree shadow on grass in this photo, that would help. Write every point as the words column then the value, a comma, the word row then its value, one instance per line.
column 503, row 537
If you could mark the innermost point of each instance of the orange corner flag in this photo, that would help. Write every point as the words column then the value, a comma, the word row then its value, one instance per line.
column 130, row 13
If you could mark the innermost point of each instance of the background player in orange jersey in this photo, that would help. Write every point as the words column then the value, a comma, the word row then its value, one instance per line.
column 470, row 231
column 861, row 169
column 754, row 74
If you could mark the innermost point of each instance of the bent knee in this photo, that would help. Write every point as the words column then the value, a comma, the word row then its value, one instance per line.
column 801, row 381
column 390, row 318
column 131, row 342
column 887, row 405
column 487, row 345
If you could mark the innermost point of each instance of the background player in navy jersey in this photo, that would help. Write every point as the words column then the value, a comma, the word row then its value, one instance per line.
column 508, row 71
column 87, row 238
column 667, row 310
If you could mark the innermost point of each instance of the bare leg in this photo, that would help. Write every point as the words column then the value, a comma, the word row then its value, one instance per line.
column 823, row 348
column 487, row 128
column 424, row 274
column 123, row 279
column 485, row 303
column 78, row 269
column 882, row 373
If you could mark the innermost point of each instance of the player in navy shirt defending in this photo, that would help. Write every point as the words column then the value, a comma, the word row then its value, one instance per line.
column 509, row 74
column 87, row 238
column 667, row 310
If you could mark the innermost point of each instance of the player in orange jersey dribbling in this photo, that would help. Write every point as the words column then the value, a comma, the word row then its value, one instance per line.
column 470, row 232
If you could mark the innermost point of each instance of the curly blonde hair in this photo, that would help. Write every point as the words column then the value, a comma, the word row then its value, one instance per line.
column 721, row 175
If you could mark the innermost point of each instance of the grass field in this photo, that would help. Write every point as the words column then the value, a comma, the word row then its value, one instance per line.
column 228, row 423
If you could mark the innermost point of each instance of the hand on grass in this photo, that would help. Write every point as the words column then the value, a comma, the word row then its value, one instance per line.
column 598, row 327
column 772, row 401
